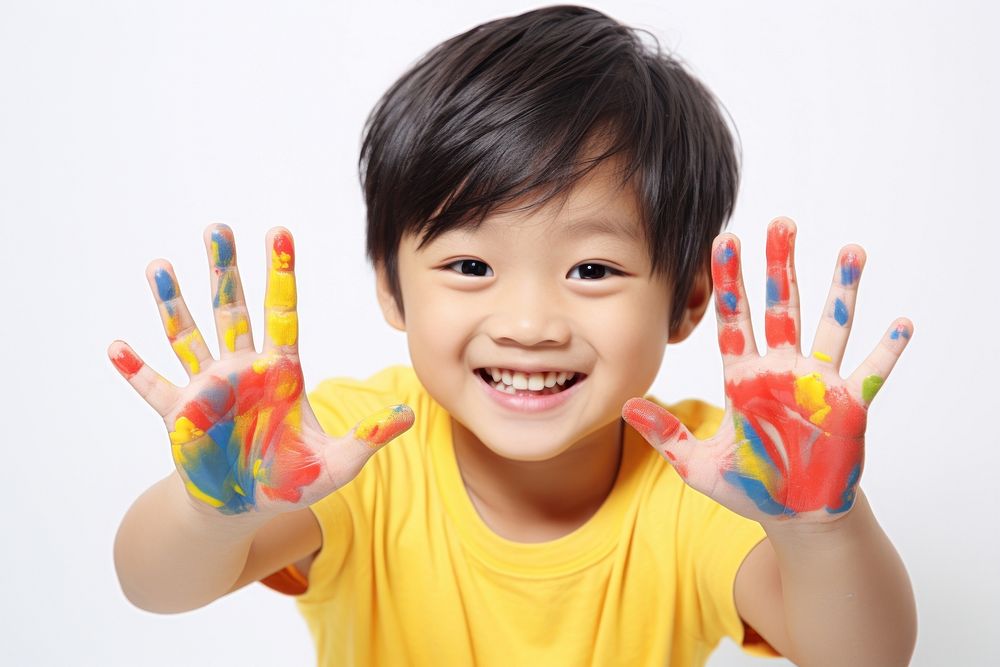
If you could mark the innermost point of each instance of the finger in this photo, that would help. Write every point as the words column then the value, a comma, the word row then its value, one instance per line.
column 345, row 459
column 781, row 319
column 873, row 371
column 184, row 336
column 281, row 321
column 661, row 430
column 731, row 307
column 154, row 389
column 232, row 320
column 835, row 325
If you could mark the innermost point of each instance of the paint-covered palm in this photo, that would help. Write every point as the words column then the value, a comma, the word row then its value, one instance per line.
column 791, row 444
column 242, row 434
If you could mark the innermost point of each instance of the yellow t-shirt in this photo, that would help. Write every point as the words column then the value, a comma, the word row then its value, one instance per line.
column 410, row 575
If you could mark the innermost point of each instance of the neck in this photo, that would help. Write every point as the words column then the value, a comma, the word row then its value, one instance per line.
column 538, row 501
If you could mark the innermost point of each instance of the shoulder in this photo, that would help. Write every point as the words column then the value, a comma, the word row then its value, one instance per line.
column 339, row 402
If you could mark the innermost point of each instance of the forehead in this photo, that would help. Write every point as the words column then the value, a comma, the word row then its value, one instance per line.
column 599, row 206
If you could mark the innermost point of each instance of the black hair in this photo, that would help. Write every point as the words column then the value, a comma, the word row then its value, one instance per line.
column 504, row 111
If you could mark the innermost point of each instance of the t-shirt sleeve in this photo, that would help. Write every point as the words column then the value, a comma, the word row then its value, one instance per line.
column 339, row 404
column 723, row 541
column 715, row 542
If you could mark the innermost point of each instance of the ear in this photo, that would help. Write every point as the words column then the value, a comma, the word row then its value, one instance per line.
column 390, row 310
column 697, row 304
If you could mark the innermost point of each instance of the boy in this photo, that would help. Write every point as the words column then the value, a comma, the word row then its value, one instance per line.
column 543, row 195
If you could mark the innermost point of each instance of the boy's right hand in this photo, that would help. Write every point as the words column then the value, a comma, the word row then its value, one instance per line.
column 242, row 434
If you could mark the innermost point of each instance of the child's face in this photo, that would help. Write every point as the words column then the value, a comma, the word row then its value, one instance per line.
column 537, row 306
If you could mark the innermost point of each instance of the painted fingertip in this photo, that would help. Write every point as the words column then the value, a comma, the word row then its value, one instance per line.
column 651, row 421
column 901, row 330
column 782, row 222
column 282, row 251
column 124, row 359
column 780, row 241
column 852, row 261
column 166, row 286
column 383, row 426
column 223, row 247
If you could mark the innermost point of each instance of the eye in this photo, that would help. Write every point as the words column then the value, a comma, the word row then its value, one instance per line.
column 593, row 271
column 472, row 267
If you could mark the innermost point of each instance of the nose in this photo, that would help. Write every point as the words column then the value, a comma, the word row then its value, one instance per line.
column 528, row 315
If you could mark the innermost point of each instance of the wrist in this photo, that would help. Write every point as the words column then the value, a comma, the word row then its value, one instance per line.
column 850, row 525
column 208, row 520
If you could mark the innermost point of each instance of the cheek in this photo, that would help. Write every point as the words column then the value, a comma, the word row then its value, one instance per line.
column 634, row 339
column 434, row 336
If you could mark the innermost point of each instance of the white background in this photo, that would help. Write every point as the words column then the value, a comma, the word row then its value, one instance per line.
column 126, row 127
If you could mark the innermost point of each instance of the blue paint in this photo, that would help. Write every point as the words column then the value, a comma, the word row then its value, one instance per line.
column 849, row 272
column 226, row 290
column 840, row 312
column 756, row 444
column 729, row 299
column 224, row 249
column 165, row 285
column 901, row 331
column 757, row 492
column 214, row 470
column 724, row 254
column 773, row 293
column 847, row 498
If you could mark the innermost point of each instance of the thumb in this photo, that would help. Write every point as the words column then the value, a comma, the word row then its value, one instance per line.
column 662, row 430
column 367, row 437
column 376, row 430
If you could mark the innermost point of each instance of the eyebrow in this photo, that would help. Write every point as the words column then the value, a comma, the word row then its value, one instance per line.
column 602, row 226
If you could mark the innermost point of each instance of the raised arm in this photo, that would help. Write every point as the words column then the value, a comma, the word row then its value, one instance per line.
column 246, row 445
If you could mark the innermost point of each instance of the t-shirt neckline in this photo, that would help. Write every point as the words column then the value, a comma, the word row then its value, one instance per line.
column 583, row 547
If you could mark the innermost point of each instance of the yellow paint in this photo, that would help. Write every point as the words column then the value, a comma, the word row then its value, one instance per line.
column 201, row 495
column 184, row 347
column 184, row 431
column 288, row 386
column 821, row 356
column 280, row 260
column 279, row 302
column 261, row 365
column 280, row 290
column 240, row 327
column 256, row 468
column 238, row 489
column 750, row 464
column 283, row 328
column 810, row 393
column 171, row 321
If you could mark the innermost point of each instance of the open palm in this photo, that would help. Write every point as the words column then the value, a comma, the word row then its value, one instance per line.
column 791, row 444
column 242, row 434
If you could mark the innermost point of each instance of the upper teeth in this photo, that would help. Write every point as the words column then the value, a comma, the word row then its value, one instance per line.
column 532, row 381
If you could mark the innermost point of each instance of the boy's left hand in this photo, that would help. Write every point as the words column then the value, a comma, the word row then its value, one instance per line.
column 791, row 444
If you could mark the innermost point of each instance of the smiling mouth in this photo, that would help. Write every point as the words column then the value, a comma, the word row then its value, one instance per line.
column 529, row 384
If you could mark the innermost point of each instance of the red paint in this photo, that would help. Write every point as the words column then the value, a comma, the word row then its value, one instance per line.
column 654, row 423
column 820, row 460
column 779, row 329
column 283, row 244
column 731, row 341
column 779, row 241
column 259, row 405
column 725, row 265
column 126, row 362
